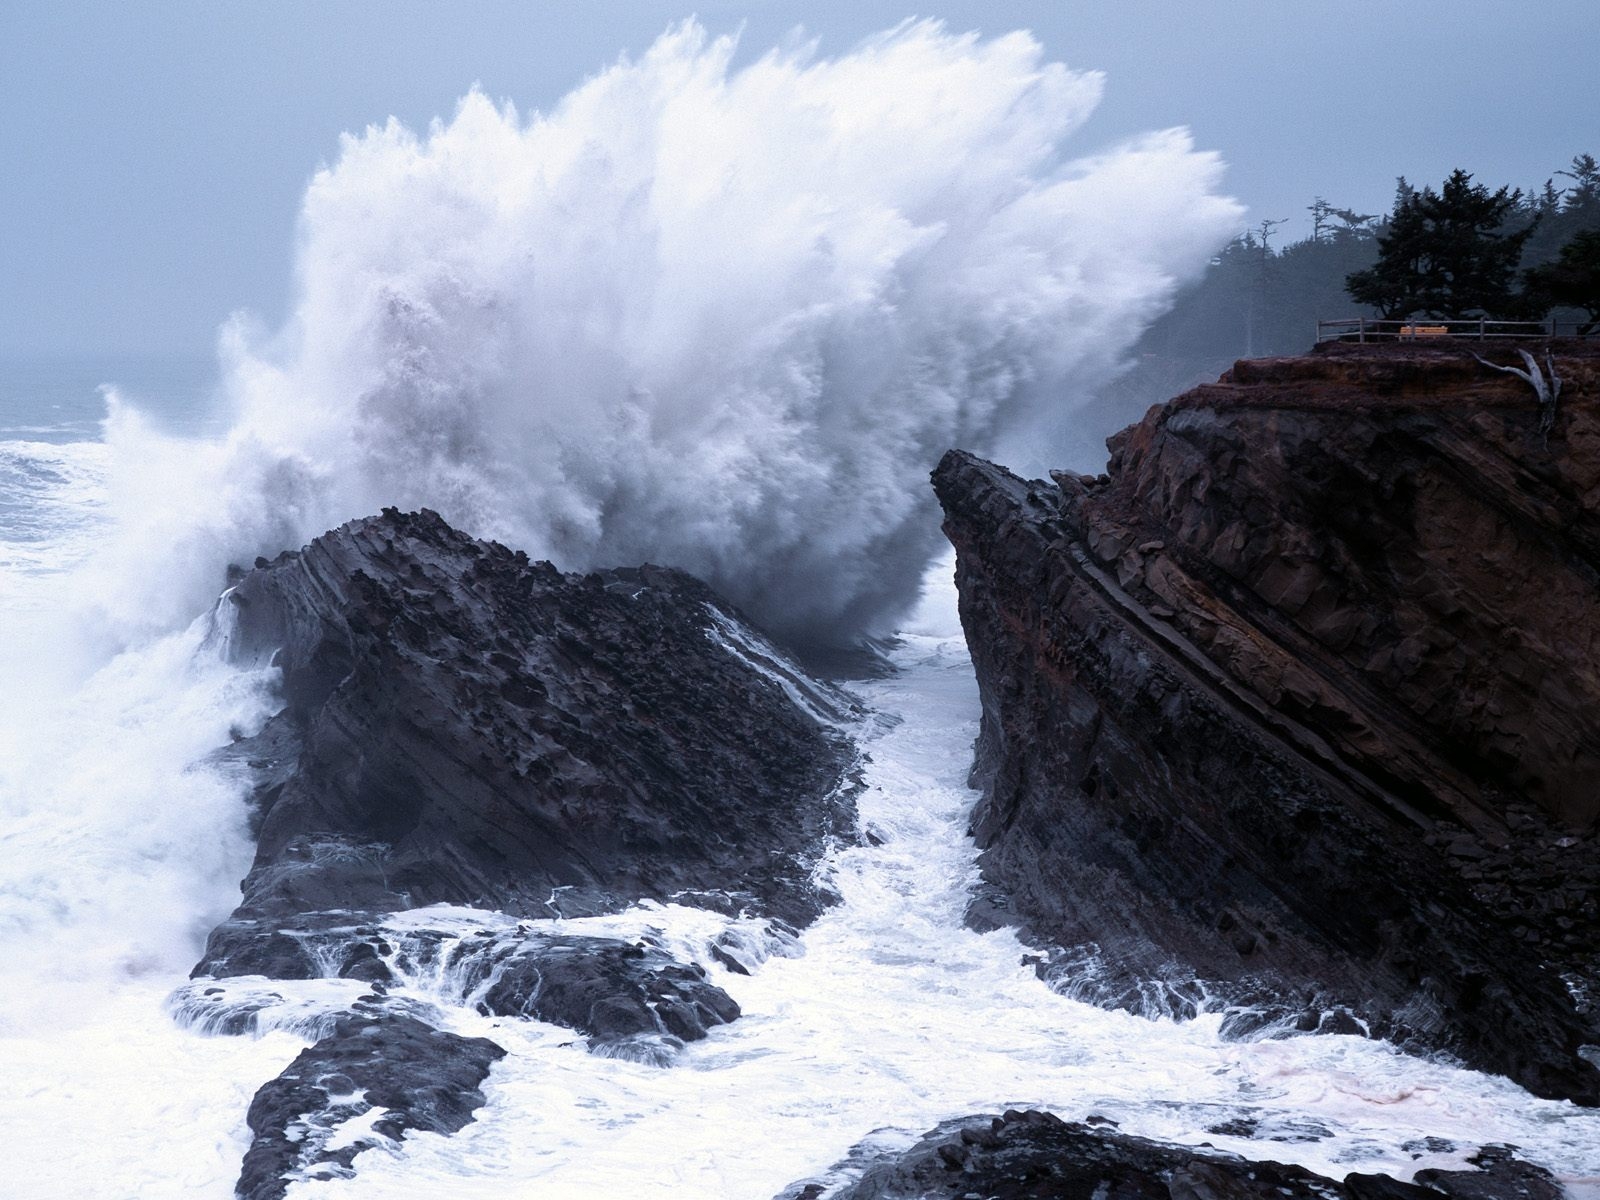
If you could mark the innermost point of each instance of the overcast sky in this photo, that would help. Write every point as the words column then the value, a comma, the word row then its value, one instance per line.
column 152, row 155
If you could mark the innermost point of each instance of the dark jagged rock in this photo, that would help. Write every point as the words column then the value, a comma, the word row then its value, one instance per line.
column 377, row 1076
column 1037, row 1156
column 612, row 990
column 1298, row 699
column 463, row 726
column 483, row 730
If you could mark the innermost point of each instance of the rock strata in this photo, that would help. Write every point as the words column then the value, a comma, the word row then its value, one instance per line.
column 474, row 728
column 468, row 729
column 1297, row 700
column 1037, row 1156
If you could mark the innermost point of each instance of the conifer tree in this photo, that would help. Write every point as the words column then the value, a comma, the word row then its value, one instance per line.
column 1446, row 254
column 1573, row 280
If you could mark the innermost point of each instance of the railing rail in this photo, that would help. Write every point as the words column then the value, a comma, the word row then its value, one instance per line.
column 1371, row 329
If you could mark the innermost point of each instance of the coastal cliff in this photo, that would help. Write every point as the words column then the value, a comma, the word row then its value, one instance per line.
column 1293, row 711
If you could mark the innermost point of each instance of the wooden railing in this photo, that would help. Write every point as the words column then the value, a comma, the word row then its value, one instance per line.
column 1370, row 329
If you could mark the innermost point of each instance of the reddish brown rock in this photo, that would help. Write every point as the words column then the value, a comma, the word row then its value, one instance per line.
column 1303, row 699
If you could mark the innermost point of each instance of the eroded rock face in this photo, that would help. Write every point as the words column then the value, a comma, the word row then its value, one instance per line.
column 478, row 729
column 1300, row 699
column 1037, row 1156
column 464, row 727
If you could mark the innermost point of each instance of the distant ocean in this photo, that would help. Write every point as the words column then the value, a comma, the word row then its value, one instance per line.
column 57, row 398
column 53, row 461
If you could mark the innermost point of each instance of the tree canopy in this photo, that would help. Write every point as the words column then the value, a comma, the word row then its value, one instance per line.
column 1573, row 280
column 1450, row 253
column 1265, row 299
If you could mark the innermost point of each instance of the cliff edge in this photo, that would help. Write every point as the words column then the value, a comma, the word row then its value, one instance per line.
column 1297, row 708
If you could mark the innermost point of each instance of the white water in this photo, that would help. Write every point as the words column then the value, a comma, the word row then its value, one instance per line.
column 726, row 319
column 722, row 319
column 895, row 1015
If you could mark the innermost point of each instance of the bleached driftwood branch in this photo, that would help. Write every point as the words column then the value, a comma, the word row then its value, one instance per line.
column 1548, row 390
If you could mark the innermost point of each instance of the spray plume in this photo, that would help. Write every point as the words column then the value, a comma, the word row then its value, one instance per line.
column 723, row 319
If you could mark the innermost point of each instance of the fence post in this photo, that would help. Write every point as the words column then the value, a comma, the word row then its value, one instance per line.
column 1361, row 331
column 1481, row 321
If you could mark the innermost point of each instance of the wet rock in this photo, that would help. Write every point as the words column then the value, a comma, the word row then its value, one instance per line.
column 1036, row 1156
column 478, row 729
column 608, row 988
column 1500, row 1174
column 374, row 1078
column 1324, row 736
column 465, row 727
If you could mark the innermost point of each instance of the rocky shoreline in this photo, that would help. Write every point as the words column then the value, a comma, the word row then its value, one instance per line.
column 1286, row 715
column 473, row 735
column 1296, row 701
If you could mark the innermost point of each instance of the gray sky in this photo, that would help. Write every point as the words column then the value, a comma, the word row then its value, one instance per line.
column 152, row 156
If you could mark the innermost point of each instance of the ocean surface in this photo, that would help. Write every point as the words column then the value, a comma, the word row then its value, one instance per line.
column 119, row 848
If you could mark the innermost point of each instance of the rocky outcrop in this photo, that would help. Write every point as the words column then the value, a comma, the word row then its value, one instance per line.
column 1031, row 1155
column 1299, row 700
column 377, row 1076
column 463, row 727
column 469, row 727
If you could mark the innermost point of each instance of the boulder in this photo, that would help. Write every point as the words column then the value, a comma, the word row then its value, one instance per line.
column 377, row 1076
column 474, row 728
column 464, row 727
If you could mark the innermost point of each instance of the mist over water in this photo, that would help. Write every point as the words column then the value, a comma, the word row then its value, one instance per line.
column 724, row 319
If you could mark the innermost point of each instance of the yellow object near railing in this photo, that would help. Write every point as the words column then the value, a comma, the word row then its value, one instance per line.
column 1378, row 329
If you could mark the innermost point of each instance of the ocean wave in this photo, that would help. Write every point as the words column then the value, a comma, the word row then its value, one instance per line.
column 720, row 318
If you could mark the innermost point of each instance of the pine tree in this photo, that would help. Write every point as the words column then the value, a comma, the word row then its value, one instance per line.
column 1446, row 254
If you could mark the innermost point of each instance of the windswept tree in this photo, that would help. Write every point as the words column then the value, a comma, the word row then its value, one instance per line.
column 1583, row 197
column 1446, row 254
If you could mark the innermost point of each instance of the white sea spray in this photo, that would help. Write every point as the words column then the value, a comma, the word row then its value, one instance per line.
column 720, row 317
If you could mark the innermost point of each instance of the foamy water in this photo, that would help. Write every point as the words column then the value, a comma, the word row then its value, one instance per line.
column 723, row 319
column 895, row 1015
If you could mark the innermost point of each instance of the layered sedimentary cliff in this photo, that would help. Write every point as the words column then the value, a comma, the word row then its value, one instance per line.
column 465, row 726
column 1301, row 699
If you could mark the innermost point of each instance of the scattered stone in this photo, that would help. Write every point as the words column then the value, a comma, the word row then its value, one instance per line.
column 376, row 1077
